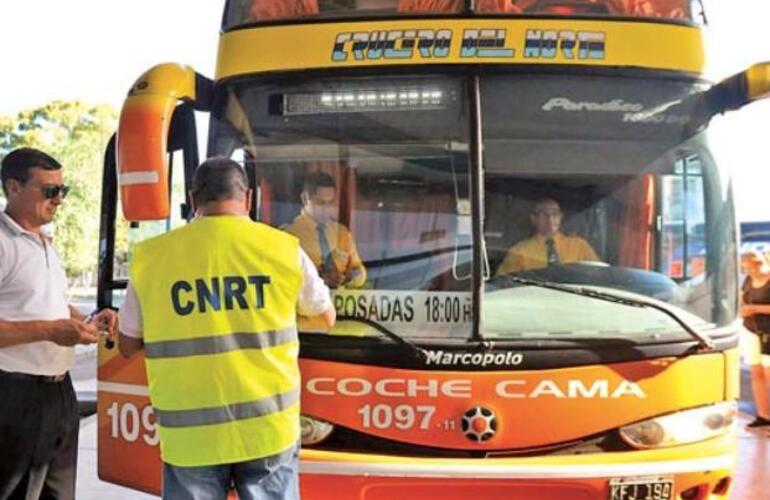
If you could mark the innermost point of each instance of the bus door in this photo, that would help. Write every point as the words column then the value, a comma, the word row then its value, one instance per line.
column 127, row 433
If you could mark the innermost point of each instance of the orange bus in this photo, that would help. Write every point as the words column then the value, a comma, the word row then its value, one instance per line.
column 474, row 361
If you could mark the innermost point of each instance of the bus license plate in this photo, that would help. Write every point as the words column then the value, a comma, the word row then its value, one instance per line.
column 654, row 488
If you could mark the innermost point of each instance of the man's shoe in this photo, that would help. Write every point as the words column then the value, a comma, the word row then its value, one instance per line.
column 759, row 422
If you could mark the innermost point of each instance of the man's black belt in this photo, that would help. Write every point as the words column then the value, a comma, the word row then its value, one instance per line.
column 38, row 378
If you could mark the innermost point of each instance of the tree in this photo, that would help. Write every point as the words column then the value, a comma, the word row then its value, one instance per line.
column 76, row 135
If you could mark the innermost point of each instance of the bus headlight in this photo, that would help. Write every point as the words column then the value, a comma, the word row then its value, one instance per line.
column 314, row 431
column 684, row 427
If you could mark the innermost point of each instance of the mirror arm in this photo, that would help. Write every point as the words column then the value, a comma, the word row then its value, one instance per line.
column 204, row 93
column 738, row 90
column 143, row 136
column 728, row 95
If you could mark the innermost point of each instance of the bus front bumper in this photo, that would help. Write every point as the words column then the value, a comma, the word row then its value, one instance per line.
column 700, row 471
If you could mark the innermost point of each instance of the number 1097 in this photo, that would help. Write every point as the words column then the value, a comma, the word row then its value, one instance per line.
column 382, row 416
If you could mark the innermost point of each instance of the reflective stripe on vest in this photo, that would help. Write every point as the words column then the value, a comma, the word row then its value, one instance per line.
column 228, row 413
column 222, row 368
column 218, row 344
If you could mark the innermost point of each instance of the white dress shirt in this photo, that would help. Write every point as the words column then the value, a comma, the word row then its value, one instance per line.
column 33, row 287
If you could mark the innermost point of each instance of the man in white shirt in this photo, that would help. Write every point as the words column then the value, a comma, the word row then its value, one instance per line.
column 39, row 417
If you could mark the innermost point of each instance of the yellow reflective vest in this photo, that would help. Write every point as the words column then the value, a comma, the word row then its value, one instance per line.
column 218, row 302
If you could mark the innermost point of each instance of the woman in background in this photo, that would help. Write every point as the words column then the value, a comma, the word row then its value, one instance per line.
column 755, row 309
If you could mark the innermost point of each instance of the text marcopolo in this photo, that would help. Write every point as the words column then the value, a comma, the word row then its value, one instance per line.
column 480, row 359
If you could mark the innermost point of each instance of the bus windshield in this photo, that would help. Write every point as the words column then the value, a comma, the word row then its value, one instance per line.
column 612, row 166
column 245, row 12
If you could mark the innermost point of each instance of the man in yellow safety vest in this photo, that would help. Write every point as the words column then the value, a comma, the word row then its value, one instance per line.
column 214, row 304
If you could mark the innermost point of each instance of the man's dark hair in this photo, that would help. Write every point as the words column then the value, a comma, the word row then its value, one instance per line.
column 218, row 179
column 542, row 201
column 17, row 164
column 317, row 180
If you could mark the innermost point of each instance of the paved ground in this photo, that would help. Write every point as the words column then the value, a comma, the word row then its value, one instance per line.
column 84, row 372
column 89, row 485
column 753, row 473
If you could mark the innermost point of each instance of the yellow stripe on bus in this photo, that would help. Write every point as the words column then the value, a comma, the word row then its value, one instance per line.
column 466, row 41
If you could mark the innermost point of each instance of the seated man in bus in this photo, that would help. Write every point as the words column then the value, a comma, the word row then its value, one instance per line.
column 329, row 244
column 548, row 246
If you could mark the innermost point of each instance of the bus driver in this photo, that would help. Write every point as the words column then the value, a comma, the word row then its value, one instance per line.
column 549, row 246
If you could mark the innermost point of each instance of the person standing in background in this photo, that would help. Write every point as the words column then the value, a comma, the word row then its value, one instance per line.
column 755, row 309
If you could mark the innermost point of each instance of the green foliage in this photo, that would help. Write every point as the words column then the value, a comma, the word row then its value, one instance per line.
column 76, row 134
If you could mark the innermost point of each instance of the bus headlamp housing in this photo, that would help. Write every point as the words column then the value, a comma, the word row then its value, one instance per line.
column 683, row 427
column 314, row 431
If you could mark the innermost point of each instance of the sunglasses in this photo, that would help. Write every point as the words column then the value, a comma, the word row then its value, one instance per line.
column 53, row 190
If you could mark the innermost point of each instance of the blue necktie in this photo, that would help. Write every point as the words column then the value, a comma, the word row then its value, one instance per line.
column 551, row 254
column 323, row 244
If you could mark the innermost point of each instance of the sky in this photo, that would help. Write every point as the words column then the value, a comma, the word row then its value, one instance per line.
column 93, row 51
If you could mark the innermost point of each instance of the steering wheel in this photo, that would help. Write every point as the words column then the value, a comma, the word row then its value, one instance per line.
column 591, row 263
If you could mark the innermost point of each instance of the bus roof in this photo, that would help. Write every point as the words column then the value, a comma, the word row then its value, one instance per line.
column 247, row 12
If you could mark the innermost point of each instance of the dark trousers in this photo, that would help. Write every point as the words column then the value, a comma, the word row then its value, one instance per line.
column 38, row 438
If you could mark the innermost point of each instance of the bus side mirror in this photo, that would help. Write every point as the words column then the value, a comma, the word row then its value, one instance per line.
column 153, row 124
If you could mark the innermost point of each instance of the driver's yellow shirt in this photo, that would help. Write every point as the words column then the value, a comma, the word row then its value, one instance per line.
column 533, row 253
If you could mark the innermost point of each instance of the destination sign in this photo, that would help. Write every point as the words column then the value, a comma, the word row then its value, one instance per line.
column 405, row 44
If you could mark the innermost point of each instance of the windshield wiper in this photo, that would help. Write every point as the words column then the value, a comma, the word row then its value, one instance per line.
column 398, row 339
column 705, row 343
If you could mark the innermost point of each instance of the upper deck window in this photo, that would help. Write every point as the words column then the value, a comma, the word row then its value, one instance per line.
column 245, row 12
